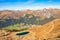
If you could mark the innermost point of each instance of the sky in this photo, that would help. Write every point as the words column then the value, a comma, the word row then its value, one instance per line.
column 28, row 4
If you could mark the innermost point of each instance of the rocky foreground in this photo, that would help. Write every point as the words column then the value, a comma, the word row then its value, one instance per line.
column 48, row 31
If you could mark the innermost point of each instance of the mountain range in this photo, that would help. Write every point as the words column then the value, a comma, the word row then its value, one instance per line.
column 16, row 14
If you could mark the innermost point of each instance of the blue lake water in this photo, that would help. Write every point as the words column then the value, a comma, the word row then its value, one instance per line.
column 22, row 33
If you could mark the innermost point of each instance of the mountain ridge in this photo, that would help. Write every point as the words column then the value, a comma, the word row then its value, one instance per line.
column 45, row 13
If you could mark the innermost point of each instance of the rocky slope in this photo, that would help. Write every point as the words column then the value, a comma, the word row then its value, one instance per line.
column 49, row 30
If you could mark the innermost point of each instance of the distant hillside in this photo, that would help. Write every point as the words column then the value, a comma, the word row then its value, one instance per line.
column 28, row 19
column 16, row 14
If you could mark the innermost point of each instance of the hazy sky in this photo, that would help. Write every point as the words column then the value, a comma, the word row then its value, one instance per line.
column 28, row 4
